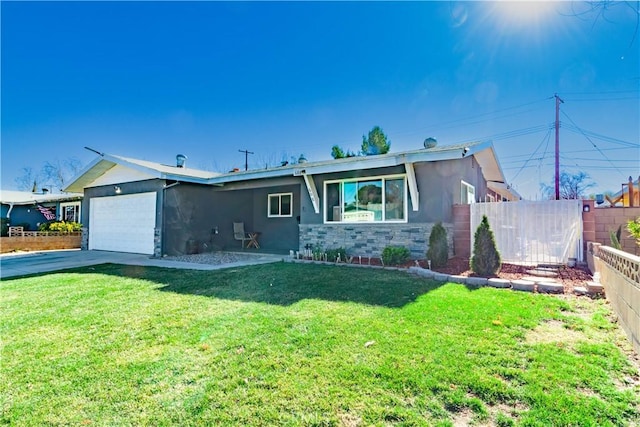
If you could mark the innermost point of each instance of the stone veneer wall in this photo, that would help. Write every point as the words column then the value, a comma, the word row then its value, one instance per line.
column 370, row 239
column 157, row 242
column 84, row 242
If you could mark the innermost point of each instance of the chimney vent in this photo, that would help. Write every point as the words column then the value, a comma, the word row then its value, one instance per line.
column 180, row 159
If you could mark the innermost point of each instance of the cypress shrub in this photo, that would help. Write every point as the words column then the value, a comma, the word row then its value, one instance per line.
column 486, row 258
column 438, row 251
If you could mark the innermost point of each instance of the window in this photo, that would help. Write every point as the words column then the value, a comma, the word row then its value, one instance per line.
column 467, row 193
column 70, row 212
column 376, row 199
column 280, row 205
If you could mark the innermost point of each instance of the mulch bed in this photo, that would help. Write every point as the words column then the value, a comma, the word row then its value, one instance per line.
column 569, row 277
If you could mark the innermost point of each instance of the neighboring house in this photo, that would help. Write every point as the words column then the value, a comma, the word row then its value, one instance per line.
column 360, row 203
column 32, row 209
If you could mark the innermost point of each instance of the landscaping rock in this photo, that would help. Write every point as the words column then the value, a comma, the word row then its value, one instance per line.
column 523, row 285
column 550, row 287
column 441, row 277
column 595, row 288
column 458, row 279
column 477, row 281
column 499, row 283
column 580, row 290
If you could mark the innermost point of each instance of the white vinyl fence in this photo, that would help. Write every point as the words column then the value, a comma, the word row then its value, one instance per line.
column 528, row 232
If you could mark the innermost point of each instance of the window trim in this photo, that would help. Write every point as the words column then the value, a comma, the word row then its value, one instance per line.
column 279, row 197
column 383, row 178
column 65, row 204
column 465, row 186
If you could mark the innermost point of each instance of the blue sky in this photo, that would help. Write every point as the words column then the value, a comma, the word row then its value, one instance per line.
column 153, row 79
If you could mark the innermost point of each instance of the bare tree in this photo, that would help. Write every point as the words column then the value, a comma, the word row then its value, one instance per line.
column 28, row 180
column 54, row 175
column 572, row 186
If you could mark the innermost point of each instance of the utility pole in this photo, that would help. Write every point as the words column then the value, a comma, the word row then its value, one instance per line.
column 558, row 102
column 246, row 158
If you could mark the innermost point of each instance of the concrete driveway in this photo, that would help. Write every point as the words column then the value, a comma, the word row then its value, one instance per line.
column 12, row 265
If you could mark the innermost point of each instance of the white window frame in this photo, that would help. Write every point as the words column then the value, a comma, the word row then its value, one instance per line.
column 464, row 189
column 383, row 178
column 279, row 198
column 64, row 205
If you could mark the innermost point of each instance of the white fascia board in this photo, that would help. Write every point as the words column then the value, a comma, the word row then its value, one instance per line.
column 154, row 172
column 349, row 164
column 89, row 174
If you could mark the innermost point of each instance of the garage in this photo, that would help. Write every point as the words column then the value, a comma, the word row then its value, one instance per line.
column 123, row 223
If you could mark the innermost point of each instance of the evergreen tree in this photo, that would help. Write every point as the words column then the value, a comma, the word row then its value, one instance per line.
column 486, row 258
column 438, row 251
column 375, row 143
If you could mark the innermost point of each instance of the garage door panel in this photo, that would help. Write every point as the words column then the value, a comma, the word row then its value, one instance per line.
column 123, row 223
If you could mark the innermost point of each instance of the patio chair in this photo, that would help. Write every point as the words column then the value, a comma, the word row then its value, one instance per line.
column 240, row 234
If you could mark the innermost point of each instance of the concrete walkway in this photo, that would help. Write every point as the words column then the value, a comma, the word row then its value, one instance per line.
column 19, row 264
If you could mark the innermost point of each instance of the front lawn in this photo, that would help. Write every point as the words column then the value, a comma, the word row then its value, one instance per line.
column 292, row 344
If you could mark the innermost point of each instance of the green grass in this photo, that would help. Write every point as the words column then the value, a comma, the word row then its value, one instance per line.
column 290, row 344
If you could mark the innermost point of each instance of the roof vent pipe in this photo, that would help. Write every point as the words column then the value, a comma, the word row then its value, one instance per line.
column 180, row 159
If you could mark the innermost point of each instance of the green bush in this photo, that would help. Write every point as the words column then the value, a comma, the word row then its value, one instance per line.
column 60, row 226
column 438, row 251
column 634, row 228
column 395, row 255
column 486, row 258
column 332, row 254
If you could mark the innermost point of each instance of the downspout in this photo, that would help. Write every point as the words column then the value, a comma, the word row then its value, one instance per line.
column 9, row 211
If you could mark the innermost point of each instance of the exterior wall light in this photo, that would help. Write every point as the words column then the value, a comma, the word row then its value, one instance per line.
column 586, row 208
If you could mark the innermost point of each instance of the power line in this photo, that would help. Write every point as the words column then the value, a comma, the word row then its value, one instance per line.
column 602, row 99
column 532, row 154
column 592, row 143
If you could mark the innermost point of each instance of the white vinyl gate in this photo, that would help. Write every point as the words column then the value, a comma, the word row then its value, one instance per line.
column 528, row 232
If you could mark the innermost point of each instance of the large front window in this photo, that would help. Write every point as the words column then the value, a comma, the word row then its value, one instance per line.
column 379, row 199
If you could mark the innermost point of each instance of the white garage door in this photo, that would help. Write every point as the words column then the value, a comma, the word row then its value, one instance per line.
column 123, row 223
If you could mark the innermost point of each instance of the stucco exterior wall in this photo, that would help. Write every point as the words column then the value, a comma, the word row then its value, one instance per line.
column 200, row 218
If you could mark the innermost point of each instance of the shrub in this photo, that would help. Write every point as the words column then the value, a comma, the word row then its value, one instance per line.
column 332, row 254
column 486, row 258
column 634, row 228
column 438, row 251
column 4, row 231
column 614, row 236
column 60, row 226
column 395, row 255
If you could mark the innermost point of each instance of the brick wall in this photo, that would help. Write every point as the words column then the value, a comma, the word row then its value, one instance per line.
column 39, row 243
column 370, row 240
column 462, row 230
column 607, row 220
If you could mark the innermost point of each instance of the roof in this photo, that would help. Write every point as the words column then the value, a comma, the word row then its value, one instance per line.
column 105, row 162
column 483, row 152
column 9, row 197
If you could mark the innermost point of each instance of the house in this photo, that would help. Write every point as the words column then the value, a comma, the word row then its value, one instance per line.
column 23, row 208
column 360, row 203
